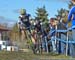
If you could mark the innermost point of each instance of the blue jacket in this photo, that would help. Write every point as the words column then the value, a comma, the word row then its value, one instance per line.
column 72, row 14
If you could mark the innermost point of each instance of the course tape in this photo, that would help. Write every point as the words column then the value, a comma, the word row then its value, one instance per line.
column 63, row 41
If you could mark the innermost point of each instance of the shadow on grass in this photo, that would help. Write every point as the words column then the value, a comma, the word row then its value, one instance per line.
column 47, row 54
column 54, row 54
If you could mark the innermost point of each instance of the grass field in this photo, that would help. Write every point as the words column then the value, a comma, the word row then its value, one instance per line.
column 30, row 56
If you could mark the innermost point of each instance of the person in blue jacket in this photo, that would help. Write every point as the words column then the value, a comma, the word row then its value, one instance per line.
column 71, row 17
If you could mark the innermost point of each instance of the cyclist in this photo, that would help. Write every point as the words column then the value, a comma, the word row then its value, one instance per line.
column 24, row 22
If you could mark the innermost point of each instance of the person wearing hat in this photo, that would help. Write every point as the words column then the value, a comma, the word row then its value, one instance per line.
column 71, row 17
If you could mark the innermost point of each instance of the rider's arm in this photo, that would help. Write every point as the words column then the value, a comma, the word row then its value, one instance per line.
column 20, row 18
column 70, row 14
column 19, row 22
column 28, row 15
column 29, row 18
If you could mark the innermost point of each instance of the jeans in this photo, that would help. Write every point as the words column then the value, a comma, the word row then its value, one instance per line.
column 63, row 45
column 53, row 44
column 72, row 46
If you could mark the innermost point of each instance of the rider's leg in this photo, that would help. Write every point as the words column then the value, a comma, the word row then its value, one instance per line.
column 23, row 35
column 20, row 33
column 29, row 30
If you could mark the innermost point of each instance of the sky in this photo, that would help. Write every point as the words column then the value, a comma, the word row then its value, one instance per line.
column 9, row 9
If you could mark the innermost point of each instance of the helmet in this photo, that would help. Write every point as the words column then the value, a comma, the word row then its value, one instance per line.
column 22, row 11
